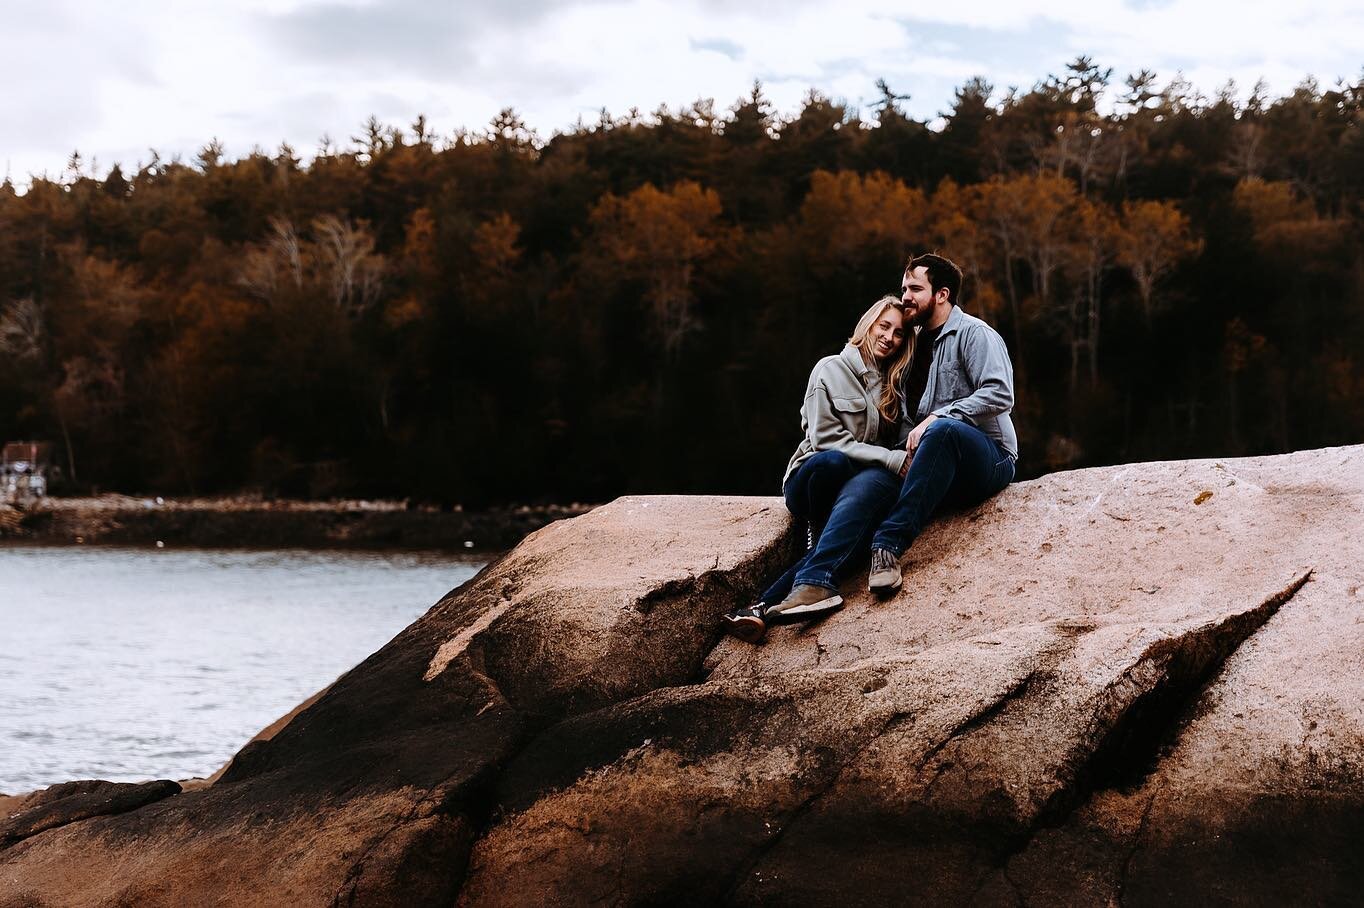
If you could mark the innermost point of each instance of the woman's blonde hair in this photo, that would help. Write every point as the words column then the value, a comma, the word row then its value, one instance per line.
column 893, row 371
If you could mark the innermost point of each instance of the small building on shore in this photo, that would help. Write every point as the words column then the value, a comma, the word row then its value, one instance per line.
column 24, row 467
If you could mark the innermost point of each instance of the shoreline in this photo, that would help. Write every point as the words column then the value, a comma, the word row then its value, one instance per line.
column 246, row 522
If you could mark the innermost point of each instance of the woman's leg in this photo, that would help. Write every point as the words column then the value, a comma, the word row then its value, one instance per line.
column 811, row 491
column 782, row 585
column 810, row 494
column 861, row 505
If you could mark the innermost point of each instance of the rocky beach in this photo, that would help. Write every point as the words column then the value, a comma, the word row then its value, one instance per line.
column 1137, row 685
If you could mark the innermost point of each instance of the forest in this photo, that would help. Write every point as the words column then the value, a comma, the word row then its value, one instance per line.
column 634, row 304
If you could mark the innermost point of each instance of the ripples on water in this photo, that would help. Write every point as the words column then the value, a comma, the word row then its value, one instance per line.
column 131, row 664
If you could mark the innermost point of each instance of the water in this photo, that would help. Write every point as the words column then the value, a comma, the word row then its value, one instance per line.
column 129, row 664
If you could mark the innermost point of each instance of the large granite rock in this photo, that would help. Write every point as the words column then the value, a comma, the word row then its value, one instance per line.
column 1137, row 684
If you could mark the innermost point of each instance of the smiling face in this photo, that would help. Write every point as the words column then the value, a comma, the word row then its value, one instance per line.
column 887, row 334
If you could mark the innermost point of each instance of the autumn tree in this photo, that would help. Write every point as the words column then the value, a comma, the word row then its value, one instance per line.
column 658, row 239
column 1155, row 238
column 1284, row 224
column 1095, row 242
column 1030, row 217
column 856, row 222
column 955, row 223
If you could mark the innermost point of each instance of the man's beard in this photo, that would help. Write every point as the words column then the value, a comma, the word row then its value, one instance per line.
column 920, row 318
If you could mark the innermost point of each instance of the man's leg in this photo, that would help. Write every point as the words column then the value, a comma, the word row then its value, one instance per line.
column 953, row 457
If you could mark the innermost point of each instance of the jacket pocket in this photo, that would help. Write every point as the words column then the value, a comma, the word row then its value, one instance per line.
column 850, row 404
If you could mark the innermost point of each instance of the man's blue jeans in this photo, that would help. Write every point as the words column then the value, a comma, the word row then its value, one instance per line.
column 956, row 464
column 852, row 507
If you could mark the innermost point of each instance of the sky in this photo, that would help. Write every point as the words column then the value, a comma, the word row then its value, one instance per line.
column 114, row 80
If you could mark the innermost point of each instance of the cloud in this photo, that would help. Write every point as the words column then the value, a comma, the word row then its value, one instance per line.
column 433, row 39
column 110, row 78
column 719, row 46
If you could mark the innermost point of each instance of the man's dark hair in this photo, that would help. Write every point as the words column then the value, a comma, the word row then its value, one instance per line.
column 942, row 272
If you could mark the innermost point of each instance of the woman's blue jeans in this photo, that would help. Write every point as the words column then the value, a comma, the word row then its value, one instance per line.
column 852, row 507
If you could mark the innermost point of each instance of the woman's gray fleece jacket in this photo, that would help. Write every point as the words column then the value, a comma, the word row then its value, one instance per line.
column 840, row 414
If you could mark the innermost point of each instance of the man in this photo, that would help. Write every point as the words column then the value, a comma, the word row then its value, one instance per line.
column 956, row 398
column 958, row 394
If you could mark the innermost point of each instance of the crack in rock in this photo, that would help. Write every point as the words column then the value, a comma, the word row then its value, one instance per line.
column 887, row 727
column 349, row 890
column 793, row 817
column 1148, row 707
column 1135, row 847
column 1127, row 753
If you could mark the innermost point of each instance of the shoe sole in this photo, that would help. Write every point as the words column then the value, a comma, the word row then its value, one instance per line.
column 749, row 630
column 885, row 589
column 777, row 615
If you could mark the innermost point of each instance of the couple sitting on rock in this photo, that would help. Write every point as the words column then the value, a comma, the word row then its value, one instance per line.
column 913, row 413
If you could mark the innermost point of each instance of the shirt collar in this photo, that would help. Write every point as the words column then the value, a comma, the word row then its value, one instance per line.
column 954, row 319
column 853, row 357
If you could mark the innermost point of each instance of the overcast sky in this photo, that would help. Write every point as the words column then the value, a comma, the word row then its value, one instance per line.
column 115, row 79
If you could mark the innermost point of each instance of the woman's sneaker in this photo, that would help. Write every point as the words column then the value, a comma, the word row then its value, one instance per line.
column 803, row 603
column 747, row 623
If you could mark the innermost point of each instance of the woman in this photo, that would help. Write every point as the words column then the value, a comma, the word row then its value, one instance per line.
column 851, row 419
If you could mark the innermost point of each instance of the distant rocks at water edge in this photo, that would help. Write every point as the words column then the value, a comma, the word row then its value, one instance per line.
column 255, row 522
column 69, row 802
column 1140, row 684
column 11, row 521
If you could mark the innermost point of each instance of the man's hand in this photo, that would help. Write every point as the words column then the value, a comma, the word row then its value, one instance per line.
column 912, row 444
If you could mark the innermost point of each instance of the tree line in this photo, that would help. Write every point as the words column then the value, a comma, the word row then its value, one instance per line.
column 634, row 304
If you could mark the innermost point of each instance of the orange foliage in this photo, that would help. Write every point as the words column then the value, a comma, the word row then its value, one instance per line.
column 1030, row 213
column 419, row 245
column 1154, row 239
column 959, row 233
column 659, row 238
column 651, row 228
column 845, row 215
column 495, row 244
column 1286, row 225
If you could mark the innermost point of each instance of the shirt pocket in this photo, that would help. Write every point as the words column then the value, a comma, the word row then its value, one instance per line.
column 953, row 383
